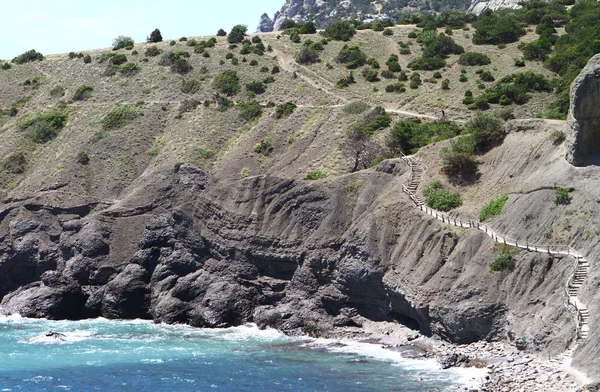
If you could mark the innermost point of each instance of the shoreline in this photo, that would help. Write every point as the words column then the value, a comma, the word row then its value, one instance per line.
column 508, row 369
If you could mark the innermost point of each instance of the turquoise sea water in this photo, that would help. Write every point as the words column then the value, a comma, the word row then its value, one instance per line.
column 103, row 355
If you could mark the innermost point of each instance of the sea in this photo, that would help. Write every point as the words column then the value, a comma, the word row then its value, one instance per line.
column 139, row 355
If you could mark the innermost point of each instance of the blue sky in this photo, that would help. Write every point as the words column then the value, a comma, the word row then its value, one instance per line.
column 62, row 26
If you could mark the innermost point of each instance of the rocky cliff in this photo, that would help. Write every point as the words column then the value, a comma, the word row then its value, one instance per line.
column 323, row 12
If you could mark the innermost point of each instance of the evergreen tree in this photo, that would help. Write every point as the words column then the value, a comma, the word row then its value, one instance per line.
column 155, row 36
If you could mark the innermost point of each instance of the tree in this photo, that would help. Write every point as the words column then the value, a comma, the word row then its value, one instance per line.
column 341, row 30
column 155, row 36
column 221, row 33
column 237, row 33
column 122, row 42
column 287, row 24
column 360, row 148
column 307, row 28
column 227, row 82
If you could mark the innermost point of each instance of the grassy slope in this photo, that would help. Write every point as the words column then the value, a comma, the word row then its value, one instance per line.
column 307, row 140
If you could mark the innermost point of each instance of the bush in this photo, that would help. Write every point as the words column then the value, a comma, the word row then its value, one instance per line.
column 410, row 135
column 119, row 117
column 486, row 76
column 558, row 137
column 388, row 32
column 437, row 75
column 181, row 66
column 307, row 28
column 122, row 42
column 115, row 59
column 221, row 33
column 188, row 105
column 307, row 55
column 393, row 64
column 370, row 75
column 83, row 158
column 463, row 78
column 372, row 122
column 190, row 86
column 387, row 74
column 427, row 63
column 346, row 81
column 263, row 147
column 519, row 63
column 284, row 109
column 341, row 30
column 130, row 69
column 249, row 111
column 255, row 87
column 57, row 91
column 73, row 55
column 29, row 56
column 5, row 66
column 153, row 51
column 264, row 69
column 15, row 163
column 314, row 175
column 351, row 56
column 440, row 199
column 473, row 59
column 227, row 82
column 237, row 33
column 395, row 88
column 87, row 59
column 44, row 127
column 487, row 131
column 355, row 107
column 497, row 28
column 82, row 93
column 504, row 261
column 446, row 84
column 493, row 208
column 253, row 63
column 561, row 196
column 275, row 70
column 155, row 36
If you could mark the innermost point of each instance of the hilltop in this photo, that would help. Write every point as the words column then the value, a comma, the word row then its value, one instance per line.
column 214, row 183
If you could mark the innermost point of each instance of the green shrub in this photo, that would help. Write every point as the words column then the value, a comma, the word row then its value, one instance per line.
column 263, row 147
column 73, row 55
column 83, row 158
column 440, row 199
column 249, row 111
column 487, row 131
column 29, row 56
column 345, row 81
column 412, row 134
column 504, row 261
column 561, row 196
column 237, row 33
column 117, row 59
column 372, row 122
column 307, row 55
column 519, row 63
column 44, row 127
column 15, row 163
column 351, row 56
column 256, row 87
column 221, row 33
column 474, row 58
column 188, row 105
column 275, row 70
column 497, row 28
column 57, row 91
column 493, row 208
column 130, row 69
column 427, row 63
column 190, row 86
column 463, row 78
column 119, row 117
column 486, row 76
column 446, row 84
column 227, row 82
column 341, row 30
column 370, row 75
column 155, row 36
column 395, row 88
column 153, row 51
column 253, row 63
column 437, row 75
column 355, row 107
column 122, row 42
column 82, row 93
column 87, row 59
column 314, row 175
column 558, row 137
column 284, row 109
column 393, row 64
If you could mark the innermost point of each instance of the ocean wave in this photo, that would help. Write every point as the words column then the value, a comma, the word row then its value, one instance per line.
column 58, row 337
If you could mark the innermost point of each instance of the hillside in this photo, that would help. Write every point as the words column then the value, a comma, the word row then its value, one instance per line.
column 163, row 194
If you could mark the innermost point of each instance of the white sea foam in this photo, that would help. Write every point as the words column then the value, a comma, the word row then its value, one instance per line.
column 427, row 368
column 58, row 337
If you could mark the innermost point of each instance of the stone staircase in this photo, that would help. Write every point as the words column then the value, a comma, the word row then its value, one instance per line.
column 581, row 268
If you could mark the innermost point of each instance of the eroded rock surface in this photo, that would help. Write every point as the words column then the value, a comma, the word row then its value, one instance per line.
column 583, row 123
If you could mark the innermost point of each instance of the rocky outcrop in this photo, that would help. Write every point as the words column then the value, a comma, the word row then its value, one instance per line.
column 266, row 24
column 478, row 6
column 583, row 122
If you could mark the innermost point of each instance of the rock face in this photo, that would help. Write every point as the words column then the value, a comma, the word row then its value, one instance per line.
column 478, row 6
column 298, row 256
column 266, row 24
column 583, row 122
